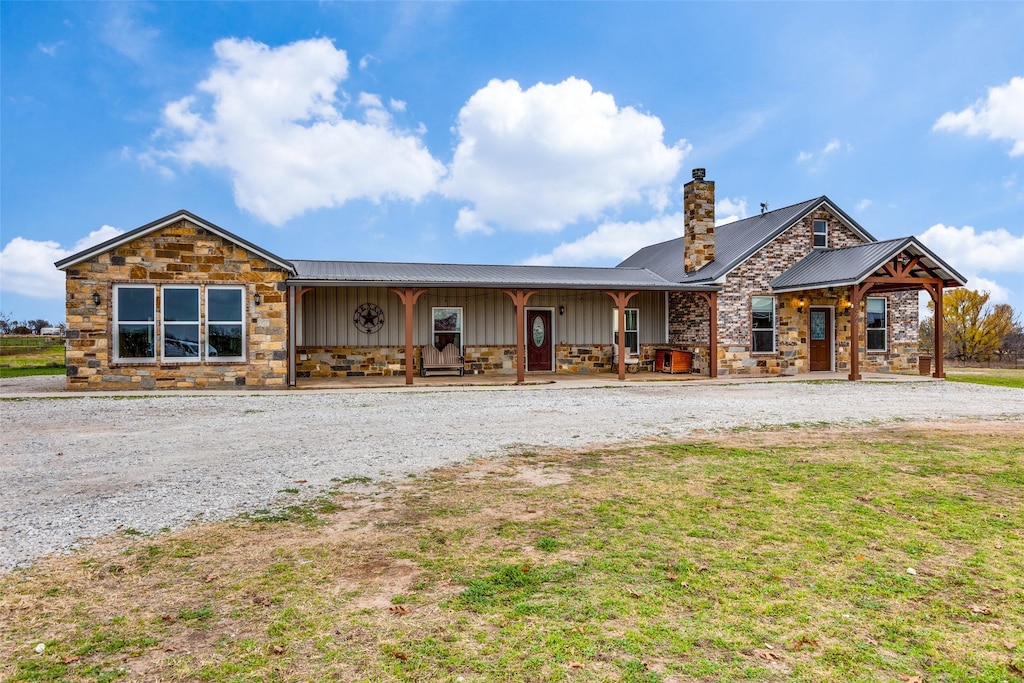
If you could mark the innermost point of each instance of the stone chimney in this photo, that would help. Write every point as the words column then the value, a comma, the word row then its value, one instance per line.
column 699, row 225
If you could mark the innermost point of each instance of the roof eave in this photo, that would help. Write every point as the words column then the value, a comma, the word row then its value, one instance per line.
column 654, row 287
column 160, row 223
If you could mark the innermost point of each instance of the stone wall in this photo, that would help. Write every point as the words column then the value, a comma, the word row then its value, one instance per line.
column 699, row 222
column 181, row 253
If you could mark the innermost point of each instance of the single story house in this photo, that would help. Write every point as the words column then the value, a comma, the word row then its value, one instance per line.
column 183, row 303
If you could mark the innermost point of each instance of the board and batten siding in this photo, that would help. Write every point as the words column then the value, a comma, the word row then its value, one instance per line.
column 326, row 316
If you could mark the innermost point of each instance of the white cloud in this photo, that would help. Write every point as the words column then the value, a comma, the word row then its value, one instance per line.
column 26, row 266
column 547, row 156
column 366, row 60
column 125, row 33
column 274, row 122
column 50, row 49
column 831, row 147
column 1000, row 116
column 863, row 205
column 397, row 105
column 612, row 241
column 730, row 210
column 986, row 251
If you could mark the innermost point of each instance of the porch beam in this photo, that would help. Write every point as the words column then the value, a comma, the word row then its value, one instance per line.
column 520, row 297
column 621, row 299
column 712, row 300
column 408, row 295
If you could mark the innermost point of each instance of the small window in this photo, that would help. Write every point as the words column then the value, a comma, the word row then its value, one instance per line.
column 820, row 234
column 762, row 323
column 877, row 324
column 180, row 306
column 225, row 326
column 447, row 327
column 632, row 329
column 134, row 323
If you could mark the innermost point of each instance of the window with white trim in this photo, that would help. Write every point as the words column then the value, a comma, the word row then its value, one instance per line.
column 180, row 317
column 447, row 327
column 632, row 329
column 762, row 324
column 187, row 332
column 820, row 234
column 225, row 324
column 134, row 323
column 877, row 324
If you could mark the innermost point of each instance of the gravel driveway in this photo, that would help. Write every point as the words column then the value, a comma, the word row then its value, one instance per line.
column 86, row 466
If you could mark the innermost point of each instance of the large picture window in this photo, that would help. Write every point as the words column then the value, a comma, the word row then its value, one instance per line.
column 225, row 327
column 180, row 307
column 447, row 327
column 188, row 332
column 632, row 329
column 877, row 324
column 134, row 323
column 762, row 324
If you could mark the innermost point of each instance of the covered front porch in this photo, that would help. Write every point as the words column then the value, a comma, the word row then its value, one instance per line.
column 354, row 320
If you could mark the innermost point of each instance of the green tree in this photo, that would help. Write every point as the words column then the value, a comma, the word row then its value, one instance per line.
column 974, row 329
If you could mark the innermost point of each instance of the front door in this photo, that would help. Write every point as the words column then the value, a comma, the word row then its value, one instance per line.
column 538, row 340
column 820, row 340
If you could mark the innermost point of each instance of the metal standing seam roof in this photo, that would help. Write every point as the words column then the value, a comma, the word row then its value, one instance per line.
column 851, row 265
column 734, row 243
column 372, row 273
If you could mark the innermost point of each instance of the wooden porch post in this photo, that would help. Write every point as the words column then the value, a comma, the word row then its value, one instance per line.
column 856, row 294
column 408, row 295
column 940, row 372
column 519, row 298
column 621, row 300
column 712, row 300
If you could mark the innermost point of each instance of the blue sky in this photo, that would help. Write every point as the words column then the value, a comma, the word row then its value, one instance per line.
column 504, row 132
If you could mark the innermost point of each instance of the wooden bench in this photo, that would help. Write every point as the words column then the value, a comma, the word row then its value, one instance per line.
column 447, row 359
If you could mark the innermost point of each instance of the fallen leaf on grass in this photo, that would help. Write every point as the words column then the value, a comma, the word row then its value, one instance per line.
column 804, row 641
column 575, row 665
column 633, row 593
column 672, row 577
column 769, row 656
column 1009, row 645
column 69, row 659
column 277, row 649
column 399, row 610
column 401, row 655
column 209, row 577
column 262, row 601
column 910, row 679
column 980, row 609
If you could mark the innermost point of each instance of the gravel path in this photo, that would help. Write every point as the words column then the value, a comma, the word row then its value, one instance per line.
column 74, row 468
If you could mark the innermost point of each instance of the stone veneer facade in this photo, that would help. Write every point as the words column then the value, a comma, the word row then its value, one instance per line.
column 699, row 218
column 181, row 253
column 384, row 361
column 688, row 313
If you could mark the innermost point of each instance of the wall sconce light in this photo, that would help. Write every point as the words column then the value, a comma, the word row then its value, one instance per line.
column 561, row 310
column 799, row 305
column 96, row 298
column 257, row 298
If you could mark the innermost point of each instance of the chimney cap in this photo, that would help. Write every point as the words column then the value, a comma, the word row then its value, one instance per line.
column 698, row 174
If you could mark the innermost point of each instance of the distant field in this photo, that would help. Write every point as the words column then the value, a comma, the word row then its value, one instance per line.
column 989, row 376
column 31, row 355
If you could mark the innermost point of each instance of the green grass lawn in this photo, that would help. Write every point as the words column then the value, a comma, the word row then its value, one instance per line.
column 23, row 356
column 875, row 554
column 990, row 377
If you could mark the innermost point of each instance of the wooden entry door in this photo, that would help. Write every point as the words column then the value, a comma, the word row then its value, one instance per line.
column 538, row 340
column 820, row 340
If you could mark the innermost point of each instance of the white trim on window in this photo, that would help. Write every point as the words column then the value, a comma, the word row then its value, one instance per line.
column 632, row 329
column 877, row 329
column 140, row 324
column 822, row 233
column 762, row 324
column 220, row 316
column 180, row 338
column 446, row 325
